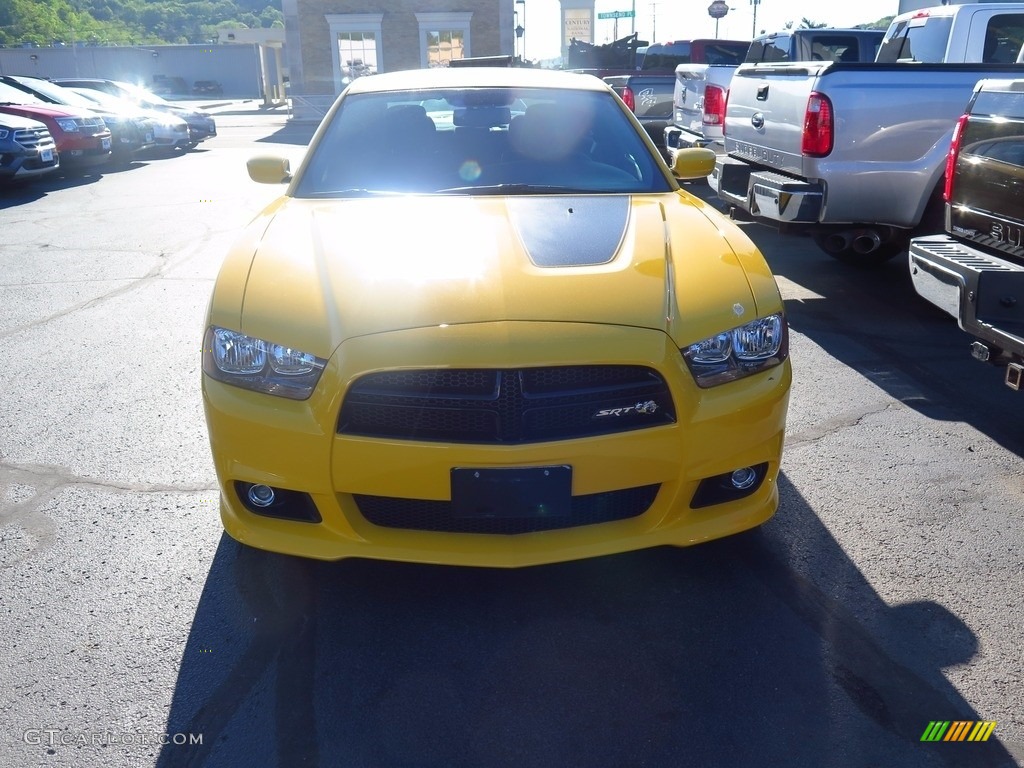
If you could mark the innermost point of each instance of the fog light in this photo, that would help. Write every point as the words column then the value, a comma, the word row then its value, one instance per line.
column 729, row 486
column 261, row 496
column 743, row 478
column 282, row 503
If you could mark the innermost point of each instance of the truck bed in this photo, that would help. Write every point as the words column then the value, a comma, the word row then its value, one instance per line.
column 893, row 123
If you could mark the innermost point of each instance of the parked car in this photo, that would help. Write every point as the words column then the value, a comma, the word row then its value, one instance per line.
column 975, row 271
column 440, row 339
column 207, row 88
column 168, row 86
column 27, row 149
column 201, row 125
column 130, row 131
column 169, row 130
column 82, row 138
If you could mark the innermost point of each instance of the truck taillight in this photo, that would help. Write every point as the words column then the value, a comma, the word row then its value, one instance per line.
column 725, row 109
column 954, row 151
column 629, row 99
column 819, row 129
column 714, row 105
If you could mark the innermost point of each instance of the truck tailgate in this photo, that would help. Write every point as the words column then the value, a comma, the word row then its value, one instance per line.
column 764, row 119
column 688, row 99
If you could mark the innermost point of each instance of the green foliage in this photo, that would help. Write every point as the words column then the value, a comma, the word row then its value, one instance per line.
column 882, row 23
column 806, row 23
column 56, row 22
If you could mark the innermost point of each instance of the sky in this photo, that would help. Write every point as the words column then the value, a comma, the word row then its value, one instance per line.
column 661, row 20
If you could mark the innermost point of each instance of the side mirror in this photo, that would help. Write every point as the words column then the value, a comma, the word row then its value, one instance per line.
column 693, row 163
column 268, row 169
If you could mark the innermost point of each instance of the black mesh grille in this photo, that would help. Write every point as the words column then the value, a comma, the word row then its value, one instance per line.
column 506, row 406
column 428, row 515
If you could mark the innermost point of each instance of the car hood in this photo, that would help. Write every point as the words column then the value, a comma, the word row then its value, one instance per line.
column 18, row 122
column 187, row 113
column 37, row 111
column 320, row 272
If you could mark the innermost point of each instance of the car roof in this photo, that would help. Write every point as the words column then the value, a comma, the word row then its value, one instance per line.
column 475, row 77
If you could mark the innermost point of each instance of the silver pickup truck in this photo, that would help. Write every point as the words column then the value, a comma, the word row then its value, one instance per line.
column 854, row 154
column 698, row 104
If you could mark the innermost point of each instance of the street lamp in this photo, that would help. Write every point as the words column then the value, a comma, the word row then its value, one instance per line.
column 521, row 29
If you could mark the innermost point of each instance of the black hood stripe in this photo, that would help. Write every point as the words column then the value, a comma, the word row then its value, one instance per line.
column 570, row 231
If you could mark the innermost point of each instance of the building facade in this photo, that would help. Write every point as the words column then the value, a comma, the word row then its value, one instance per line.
column 330, row 42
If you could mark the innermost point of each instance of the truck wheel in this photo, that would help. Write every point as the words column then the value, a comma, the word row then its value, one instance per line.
column 858, row 250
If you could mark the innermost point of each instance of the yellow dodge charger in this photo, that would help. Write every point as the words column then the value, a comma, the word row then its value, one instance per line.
column 485, row 326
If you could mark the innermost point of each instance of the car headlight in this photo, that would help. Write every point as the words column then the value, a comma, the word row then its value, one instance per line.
column 251, row 363
column 4, row 133
column 738, row 352
column 67, row 124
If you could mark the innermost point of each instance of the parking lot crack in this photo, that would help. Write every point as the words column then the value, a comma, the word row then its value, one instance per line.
column 837, row 423
column 42, row 481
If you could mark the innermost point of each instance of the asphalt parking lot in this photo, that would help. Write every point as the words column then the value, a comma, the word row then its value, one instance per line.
column 886, row 593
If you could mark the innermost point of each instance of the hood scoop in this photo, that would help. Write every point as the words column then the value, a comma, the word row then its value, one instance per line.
column 570, row 231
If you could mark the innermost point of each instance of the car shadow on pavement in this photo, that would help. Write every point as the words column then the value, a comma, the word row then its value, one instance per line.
column 769, row 648
column 23, row 192
column 292, row 133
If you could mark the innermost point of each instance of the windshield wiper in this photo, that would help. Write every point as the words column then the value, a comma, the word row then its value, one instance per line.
column 516, row 189
column 355, row 192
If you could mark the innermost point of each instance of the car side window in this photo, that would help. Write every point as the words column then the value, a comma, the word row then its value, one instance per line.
column 1004, row 36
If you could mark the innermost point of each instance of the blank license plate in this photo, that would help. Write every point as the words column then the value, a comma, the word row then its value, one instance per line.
column 520, row 492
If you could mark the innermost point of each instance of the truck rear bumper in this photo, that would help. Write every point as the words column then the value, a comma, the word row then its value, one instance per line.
column 767, row 195
column 983, row 292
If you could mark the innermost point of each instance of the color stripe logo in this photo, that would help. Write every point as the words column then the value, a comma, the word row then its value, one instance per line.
column 958, row 730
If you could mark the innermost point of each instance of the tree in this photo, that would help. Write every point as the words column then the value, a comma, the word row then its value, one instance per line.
column 41, row 22
column 882, row 23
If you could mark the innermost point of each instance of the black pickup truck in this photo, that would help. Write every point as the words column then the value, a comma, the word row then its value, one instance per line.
column 975, row 272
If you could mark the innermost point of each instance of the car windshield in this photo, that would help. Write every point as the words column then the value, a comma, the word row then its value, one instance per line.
column 58, row 93
column 100, row 97
column 480, row 141
column 11, row 95
column 144, row 97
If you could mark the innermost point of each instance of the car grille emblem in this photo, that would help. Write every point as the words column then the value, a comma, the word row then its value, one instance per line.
column 648, row 406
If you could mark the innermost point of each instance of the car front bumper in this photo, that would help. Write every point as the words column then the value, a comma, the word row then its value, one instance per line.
column 24, row 164
column 295, row 445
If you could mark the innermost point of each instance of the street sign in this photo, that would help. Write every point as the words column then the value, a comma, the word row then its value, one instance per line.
column 718, row 9
column 618, row 14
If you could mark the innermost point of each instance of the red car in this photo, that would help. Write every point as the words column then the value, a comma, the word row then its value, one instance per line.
column 83, row 140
